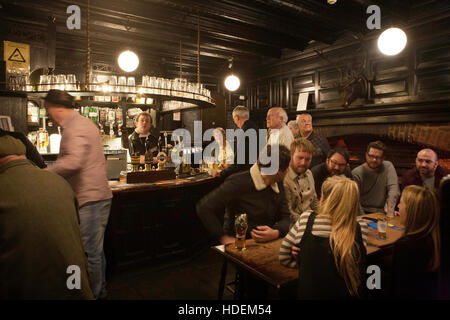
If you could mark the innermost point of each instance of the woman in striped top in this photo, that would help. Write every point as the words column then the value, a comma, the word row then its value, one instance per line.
column 325, row 273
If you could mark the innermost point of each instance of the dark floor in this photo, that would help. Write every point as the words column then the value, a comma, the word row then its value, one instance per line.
column 197, row 279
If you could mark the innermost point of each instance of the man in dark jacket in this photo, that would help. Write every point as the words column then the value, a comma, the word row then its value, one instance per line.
column 141, row 140
column 257, row 193
column 321, row 146
column 41, row 252
column 427, row 172
column 31, row 152
column 241, row 117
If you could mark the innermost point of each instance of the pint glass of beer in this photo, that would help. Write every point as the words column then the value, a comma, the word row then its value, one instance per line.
column 382, row 226
column 240, row 226
column 135, row 161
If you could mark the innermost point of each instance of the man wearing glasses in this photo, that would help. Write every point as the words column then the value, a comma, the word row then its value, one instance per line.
column 335, row 164
column 377, row 180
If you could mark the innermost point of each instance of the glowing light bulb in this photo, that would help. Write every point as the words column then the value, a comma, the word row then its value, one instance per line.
column 232, row 83
column 392, row 41
column 128, row 61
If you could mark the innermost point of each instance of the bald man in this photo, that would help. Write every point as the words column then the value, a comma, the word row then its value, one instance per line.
column 276, row 120
column 427, row 172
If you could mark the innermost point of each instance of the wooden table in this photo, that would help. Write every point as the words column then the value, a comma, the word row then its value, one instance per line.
column 261, row 259
column 392, row 235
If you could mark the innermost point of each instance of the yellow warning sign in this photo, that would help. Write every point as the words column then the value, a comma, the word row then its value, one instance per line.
column 17, row 57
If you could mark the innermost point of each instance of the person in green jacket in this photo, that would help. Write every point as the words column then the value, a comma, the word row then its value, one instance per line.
column 41, row 253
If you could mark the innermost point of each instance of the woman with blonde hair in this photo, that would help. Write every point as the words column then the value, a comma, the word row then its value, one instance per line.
column 416, row 257
column 225, row 157
column 332, row 243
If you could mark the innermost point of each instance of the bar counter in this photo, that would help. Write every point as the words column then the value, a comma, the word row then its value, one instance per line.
column 156, row 224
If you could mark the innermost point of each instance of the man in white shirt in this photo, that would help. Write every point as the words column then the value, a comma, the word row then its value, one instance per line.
column 278, row 131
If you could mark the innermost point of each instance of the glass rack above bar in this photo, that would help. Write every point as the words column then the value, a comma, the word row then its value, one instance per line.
column 174, row 94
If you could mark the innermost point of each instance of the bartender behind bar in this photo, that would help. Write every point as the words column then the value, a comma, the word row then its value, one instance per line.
column 141, row 142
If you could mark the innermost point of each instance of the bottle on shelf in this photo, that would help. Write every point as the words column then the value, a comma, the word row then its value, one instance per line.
column 85, row 112
column 102, row 118
column 119, row 121
column 111, row 120
column 42, row 138
column 93, row 114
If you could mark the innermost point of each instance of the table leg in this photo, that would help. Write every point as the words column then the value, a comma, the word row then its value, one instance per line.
column 223, row 275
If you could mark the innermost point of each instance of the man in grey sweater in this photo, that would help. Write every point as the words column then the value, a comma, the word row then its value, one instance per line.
column 377, row 181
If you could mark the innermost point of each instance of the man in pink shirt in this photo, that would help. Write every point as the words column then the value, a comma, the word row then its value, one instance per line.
column 82, row 163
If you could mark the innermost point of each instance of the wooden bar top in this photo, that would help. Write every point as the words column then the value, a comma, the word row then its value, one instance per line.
column 122, row 186
column 261, row 259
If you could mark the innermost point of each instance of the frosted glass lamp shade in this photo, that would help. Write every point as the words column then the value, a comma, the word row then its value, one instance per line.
column 392, row 41
column 232, row 83
column 128, row 61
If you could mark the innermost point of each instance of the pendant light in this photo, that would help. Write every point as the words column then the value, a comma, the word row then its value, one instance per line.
column 128, row 61
column 392, row 41
column 232, row 82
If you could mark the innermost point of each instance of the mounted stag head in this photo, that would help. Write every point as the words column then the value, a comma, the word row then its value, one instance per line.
column 353, row 83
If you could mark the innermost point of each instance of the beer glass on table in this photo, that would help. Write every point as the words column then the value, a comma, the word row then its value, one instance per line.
column 240, row 226
column 382, row 228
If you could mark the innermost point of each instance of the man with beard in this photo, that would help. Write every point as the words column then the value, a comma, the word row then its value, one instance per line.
column 427, row 172
column 335, row 164
column 377, row 180
column 299, row 181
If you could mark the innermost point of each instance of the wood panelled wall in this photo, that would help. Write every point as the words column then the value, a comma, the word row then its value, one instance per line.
column 421, row 72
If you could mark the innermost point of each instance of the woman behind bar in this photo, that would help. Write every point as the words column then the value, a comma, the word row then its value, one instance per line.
column 416, row 257
column 226, row 154
column 332, row 253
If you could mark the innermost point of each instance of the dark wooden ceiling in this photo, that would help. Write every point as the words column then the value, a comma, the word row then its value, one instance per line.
column 250, row 31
